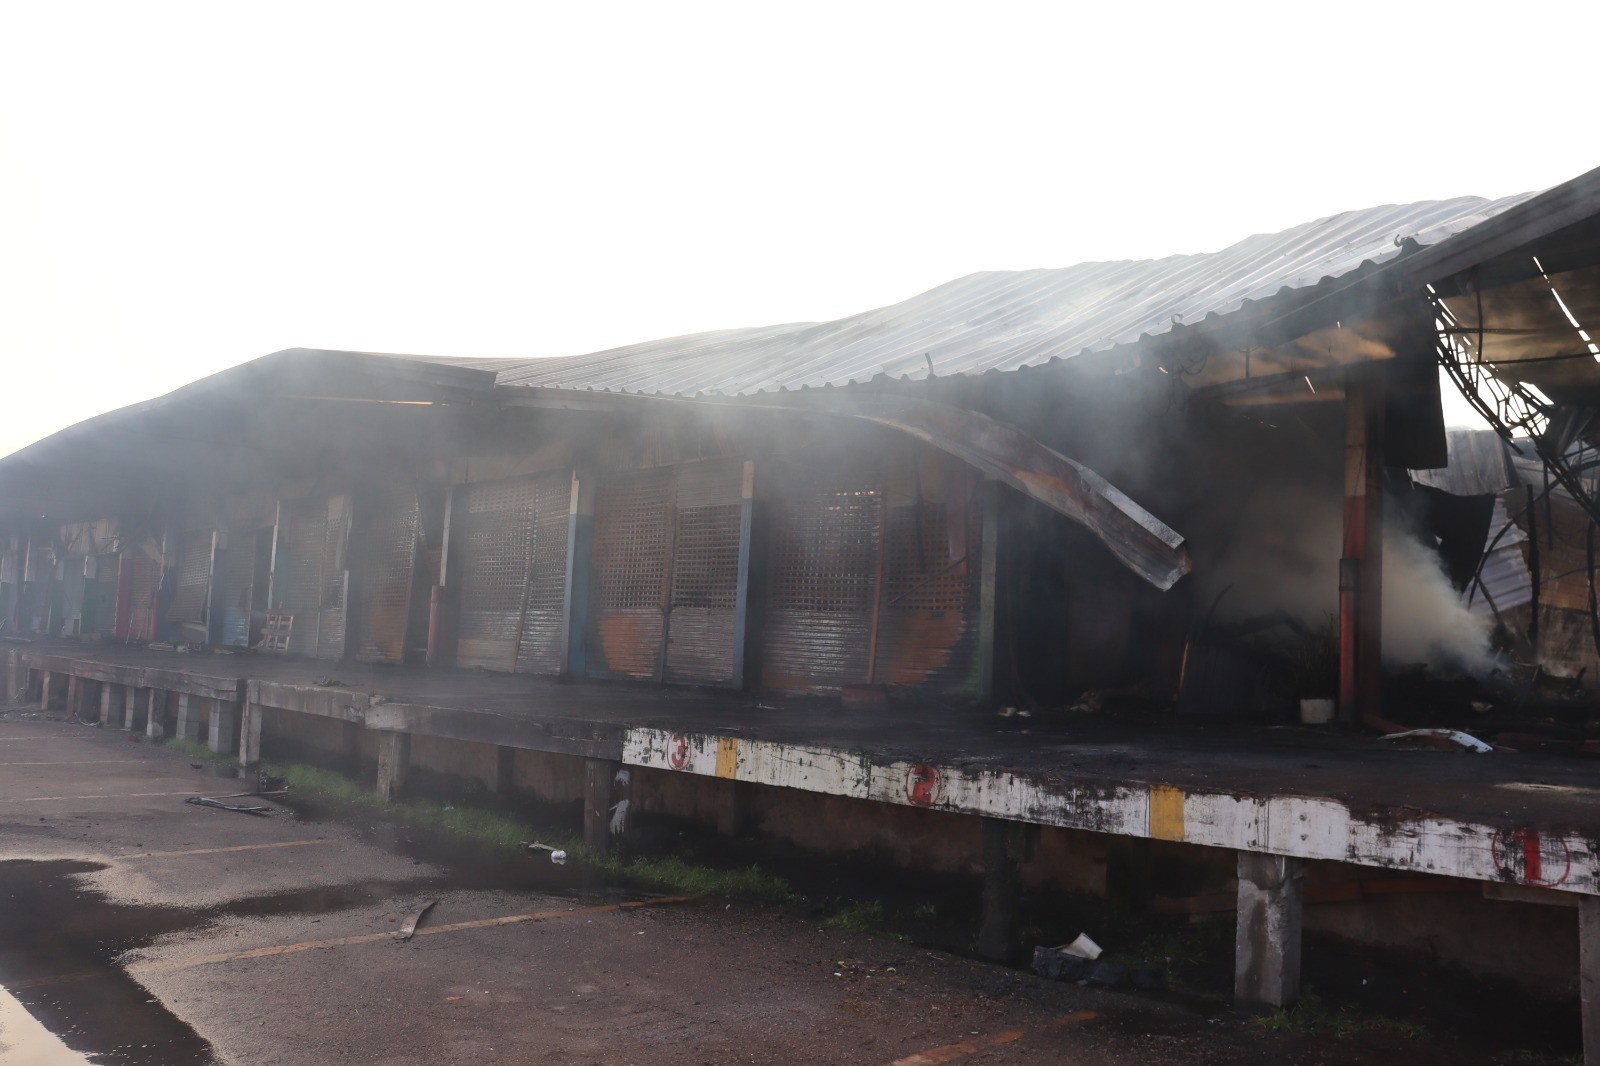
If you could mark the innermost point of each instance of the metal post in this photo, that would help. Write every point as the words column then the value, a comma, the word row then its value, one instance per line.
column 1361, row 568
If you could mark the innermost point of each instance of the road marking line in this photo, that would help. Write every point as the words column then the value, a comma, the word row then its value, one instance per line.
column 219, row 851
column 104, row 796
column 953, row 1052
column 388, row 935
column 72, row 762
column 11, row 740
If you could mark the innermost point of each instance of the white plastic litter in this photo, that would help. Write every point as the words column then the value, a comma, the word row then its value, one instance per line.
column 1455, row 736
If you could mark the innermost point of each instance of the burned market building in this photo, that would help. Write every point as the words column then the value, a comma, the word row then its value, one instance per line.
column 958, row 582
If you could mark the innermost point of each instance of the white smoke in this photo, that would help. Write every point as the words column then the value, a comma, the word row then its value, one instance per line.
column 1283, row 555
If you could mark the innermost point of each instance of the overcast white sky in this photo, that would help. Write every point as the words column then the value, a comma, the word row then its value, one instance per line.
column 187, row 186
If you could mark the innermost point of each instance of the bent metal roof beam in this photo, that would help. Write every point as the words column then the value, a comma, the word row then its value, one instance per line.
column 1139, row 540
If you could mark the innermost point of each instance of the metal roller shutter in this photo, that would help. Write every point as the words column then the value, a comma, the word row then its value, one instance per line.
column 191, row 579
column 822, row 575
column 667, row 545
column 386, row 560
column 139, row 583
column 927, row 625
column 513, row 573
column 632, row 542
column 702, row 621
column 330, row 624
column 311, row 578
column 541, row 644
column 231, row 601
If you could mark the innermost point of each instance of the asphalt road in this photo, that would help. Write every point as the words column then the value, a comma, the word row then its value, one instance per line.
column 136, row 928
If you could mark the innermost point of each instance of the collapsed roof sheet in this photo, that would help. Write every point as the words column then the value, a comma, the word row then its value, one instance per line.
column 1005, row 320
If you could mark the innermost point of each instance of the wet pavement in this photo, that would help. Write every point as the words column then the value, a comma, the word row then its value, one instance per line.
column 137, row 929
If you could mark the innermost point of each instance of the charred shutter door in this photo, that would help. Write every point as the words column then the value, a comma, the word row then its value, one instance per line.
column 513, row 565
column 231, row 602
column 928, row 621
column 632, row 545
column 822, row 573
column 387, row 556
column 191, row 579
column 702, row 622
column 141, row 576
column 666, row 572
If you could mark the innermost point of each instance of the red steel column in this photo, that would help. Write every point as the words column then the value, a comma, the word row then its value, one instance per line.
column 1361, row 567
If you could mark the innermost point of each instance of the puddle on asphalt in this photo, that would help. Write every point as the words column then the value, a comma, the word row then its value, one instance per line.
column 59, row 945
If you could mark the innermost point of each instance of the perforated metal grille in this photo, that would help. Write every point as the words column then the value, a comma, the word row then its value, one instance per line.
column 192, row 578
column 388, row 525
column 513, row 573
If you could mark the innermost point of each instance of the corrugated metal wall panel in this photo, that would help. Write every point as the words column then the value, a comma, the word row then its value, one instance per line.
column 232, row 600
column 513, row 572
column 822, row 558
column 192, row 578
column 632, row 546
column 386, row 558
column 702, row 620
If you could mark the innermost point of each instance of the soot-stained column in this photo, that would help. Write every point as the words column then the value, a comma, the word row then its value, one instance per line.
column 1361, row 567
column 1589, row 976
column 1266, row 965
column 394, row 761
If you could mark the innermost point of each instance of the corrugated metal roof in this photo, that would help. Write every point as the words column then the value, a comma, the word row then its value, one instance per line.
column 1005, row 320
column 1478, row 464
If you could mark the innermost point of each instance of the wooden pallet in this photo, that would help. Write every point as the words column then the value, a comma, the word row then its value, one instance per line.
column 275, row 634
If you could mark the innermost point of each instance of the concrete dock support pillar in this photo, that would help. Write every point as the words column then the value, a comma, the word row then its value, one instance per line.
column 1266, row 964
column 505, row 770
column 74, row 694
column 155, row 726
column 130, row 708
column 44, row 690
column 250, row 735
column 394, row 760
column 189, row 716
column 112, row 698
column 1004, row 845
column 598, row 776
column 736, row 816
column 1589, row 976
column 222, row 736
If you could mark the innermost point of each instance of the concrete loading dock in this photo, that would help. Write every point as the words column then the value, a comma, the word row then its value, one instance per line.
column 847, row 585
column 1522, row 826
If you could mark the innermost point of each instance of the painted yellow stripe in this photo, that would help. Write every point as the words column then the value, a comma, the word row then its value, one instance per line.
column 220, row 851
column 955, row 1052
column 727, row 757
column 373, row 938
column 105, row 796
column 71, row 762
column 1166, row 813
